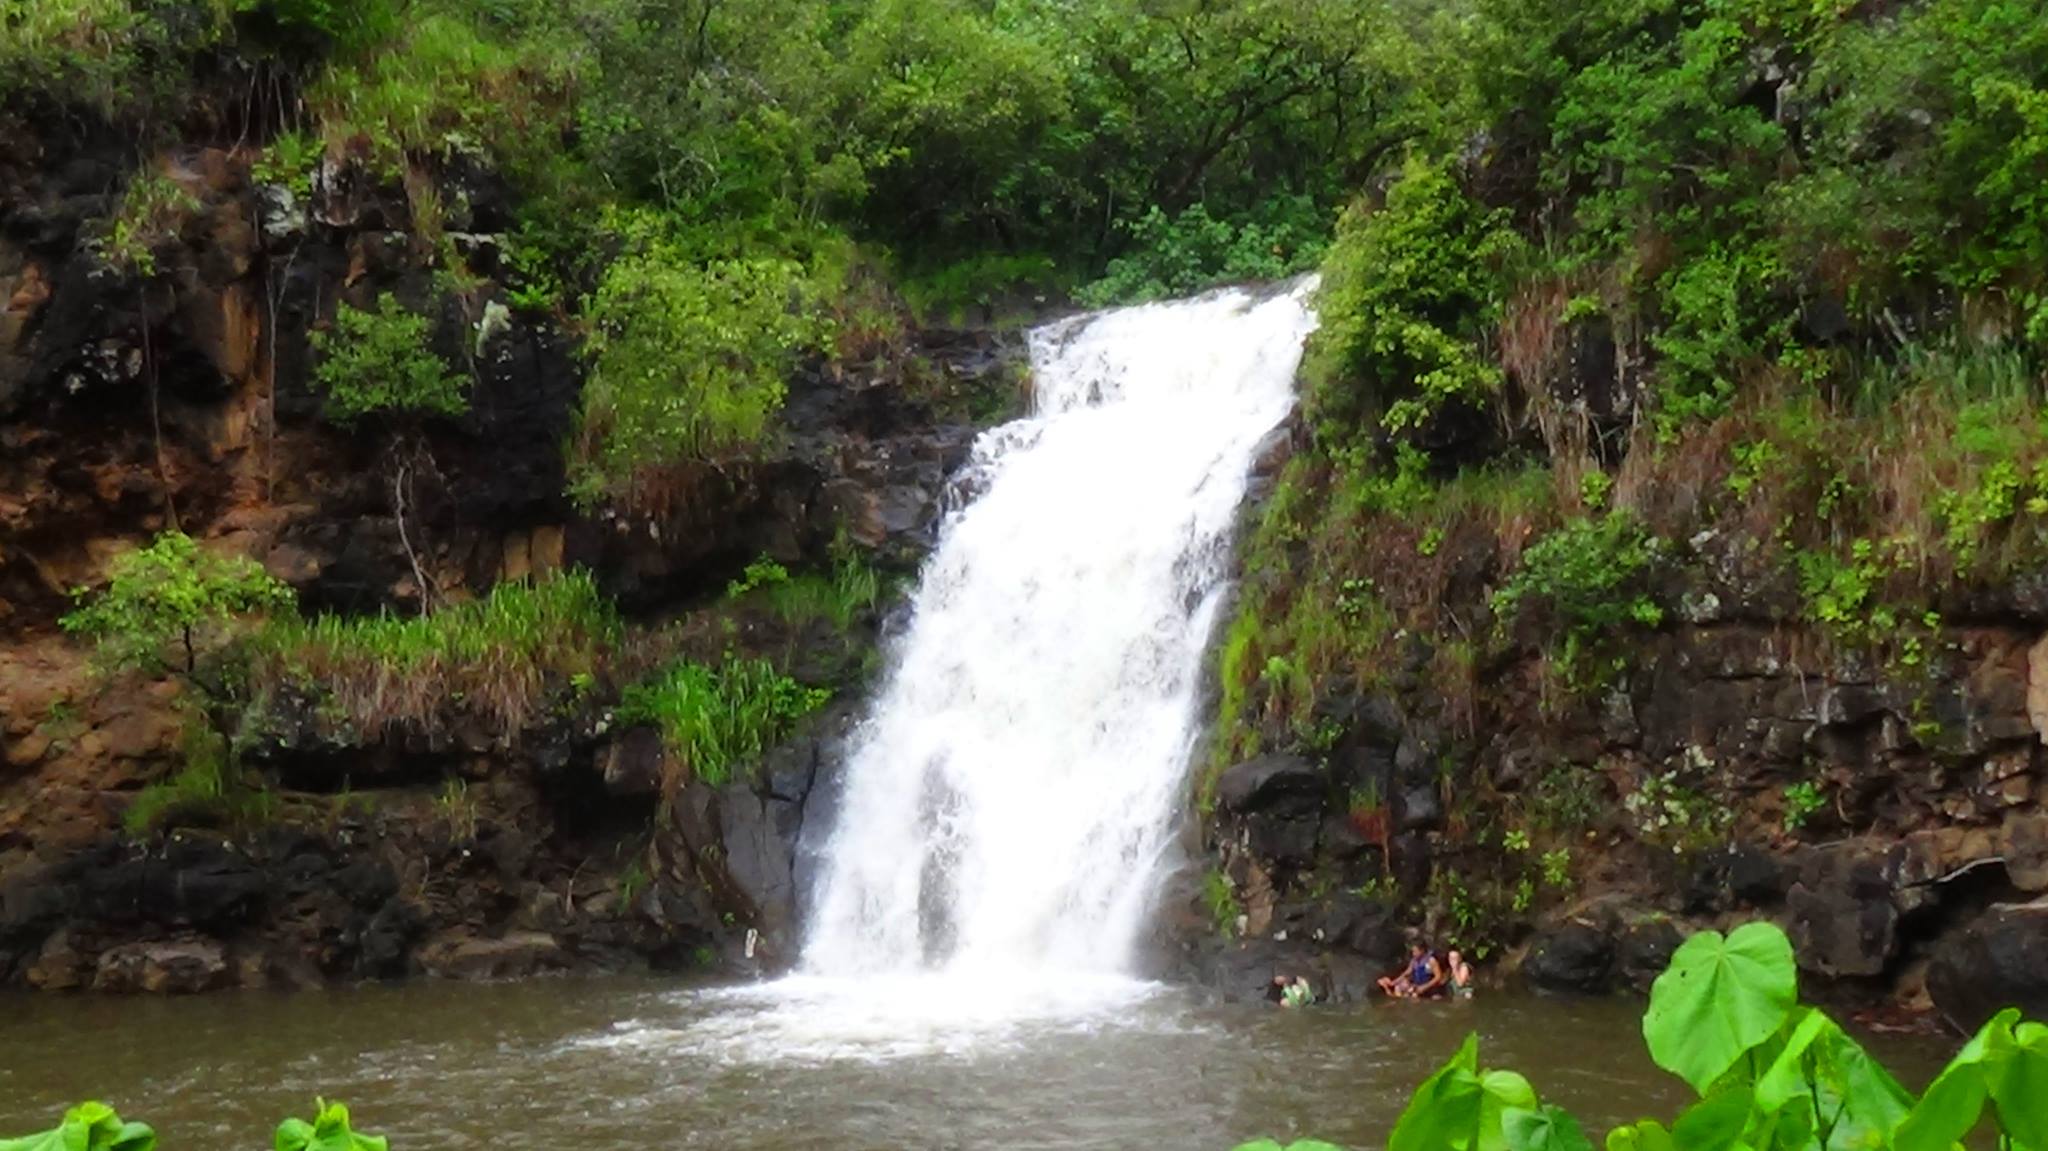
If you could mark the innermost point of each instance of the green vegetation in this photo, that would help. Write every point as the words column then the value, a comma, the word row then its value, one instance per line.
column 687, row 364
column 840, row 597
column 715, row 720
column 1407, row 289
column 1219, row 895
column 1590, row 578
column 1802, row 800
column 329, row 1131
column 382, row 363
column 95, row 1127
column 1771, row 1074
column 88, row 1127
column 500, row 657
column 151, row 210
column 177, row 610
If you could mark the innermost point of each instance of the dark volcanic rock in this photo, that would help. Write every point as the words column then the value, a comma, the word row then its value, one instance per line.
column 1843, row 918
column 1573, row 956
column 2000, row 960
column 1284, row 785
column 1644, row 950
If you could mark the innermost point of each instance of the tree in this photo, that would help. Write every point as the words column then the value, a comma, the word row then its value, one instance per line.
column 174, row 609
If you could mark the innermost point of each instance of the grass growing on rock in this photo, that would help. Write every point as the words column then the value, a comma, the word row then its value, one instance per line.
column 717, row 719
column 499, row 656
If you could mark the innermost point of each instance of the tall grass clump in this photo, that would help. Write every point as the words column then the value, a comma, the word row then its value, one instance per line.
column 499, row 656
column 716, row 719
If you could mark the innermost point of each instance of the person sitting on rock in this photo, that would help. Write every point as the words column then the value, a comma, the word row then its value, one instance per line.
column 1423, row 977
column 1460, row 975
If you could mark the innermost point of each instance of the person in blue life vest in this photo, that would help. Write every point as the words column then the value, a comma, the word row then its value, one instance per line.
column 1423, row 978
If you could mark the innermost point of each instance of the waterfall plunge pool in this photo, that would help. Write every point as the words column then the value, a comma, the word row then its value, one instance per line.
column 622, row 1064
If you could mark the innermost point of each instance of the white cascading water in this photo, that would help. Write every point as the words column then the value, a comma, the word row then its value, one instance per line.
column 1012, row 793
column 1010, row 798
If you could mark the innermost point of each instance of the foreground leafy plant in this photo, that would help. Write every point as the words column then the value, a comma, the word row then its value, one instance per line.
column 87, row 1127
column 1772, row 1075
column 329, row 1131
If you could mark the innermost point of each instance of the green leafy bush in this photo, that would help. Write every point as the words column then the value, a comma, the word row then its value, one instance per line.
column 687, row 364
column 176, row 609
column 715, row 720
column 1184, row 253
column 151, row 210
column 170, row 606
column 382, row 363
column 1407, row 290
column 1589, row 579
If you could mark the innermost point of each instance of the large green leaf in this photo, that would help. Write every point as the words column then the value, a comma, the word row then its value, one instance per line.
column 329, row 1131
column 1500, row 1092
column 1444, row 1111
column 1823, row 1082
column 1543, row 1129
column 1297, row 1145
column 2017, row 1076
column 1955, row 1100
column 1720, row 997
column 1715, row 1123
column 88, row 1127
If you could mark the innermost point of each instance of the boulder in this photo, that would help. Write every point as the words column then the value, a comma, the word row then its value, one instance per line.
column 1843, row 918
column 2024, row 844
column 1999, row 960
column 1285, row 785
column 1644, row 950
column 179, row 967
column 515, row 954
column 1573, row 956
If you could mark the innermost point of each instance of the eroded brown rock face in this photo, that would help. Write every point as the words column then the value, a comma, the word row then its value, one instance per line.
column 129, row 406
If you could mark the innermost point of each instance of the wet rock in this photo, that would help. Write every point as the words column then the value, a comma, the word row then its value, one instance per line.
column 180, row 967
column 632, row 763
column 1420, row 809
column 1571, row 957
column 1274, row 784
column 1644, row 950
column 1843, row 918
column 2024, row 844
column 1999, row 960
column 516, row 954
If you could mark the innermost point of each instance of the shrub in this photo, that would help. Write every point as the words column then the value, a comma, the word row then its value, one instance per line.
column 1184, row 253
column 381, row 363
column 1407, row 289
column 169, row 607
column 687, row 364
column 717, row 719
column 1591, row 578
column 151, row 210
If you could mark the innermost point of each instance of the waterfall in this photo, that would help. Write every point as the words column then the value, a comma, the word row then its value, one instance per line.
column 1011, row 794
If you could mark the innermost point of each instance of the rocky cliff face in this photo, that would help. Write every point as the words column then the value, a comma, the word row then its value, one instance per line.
column 1886, row 804
column 133, row 404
